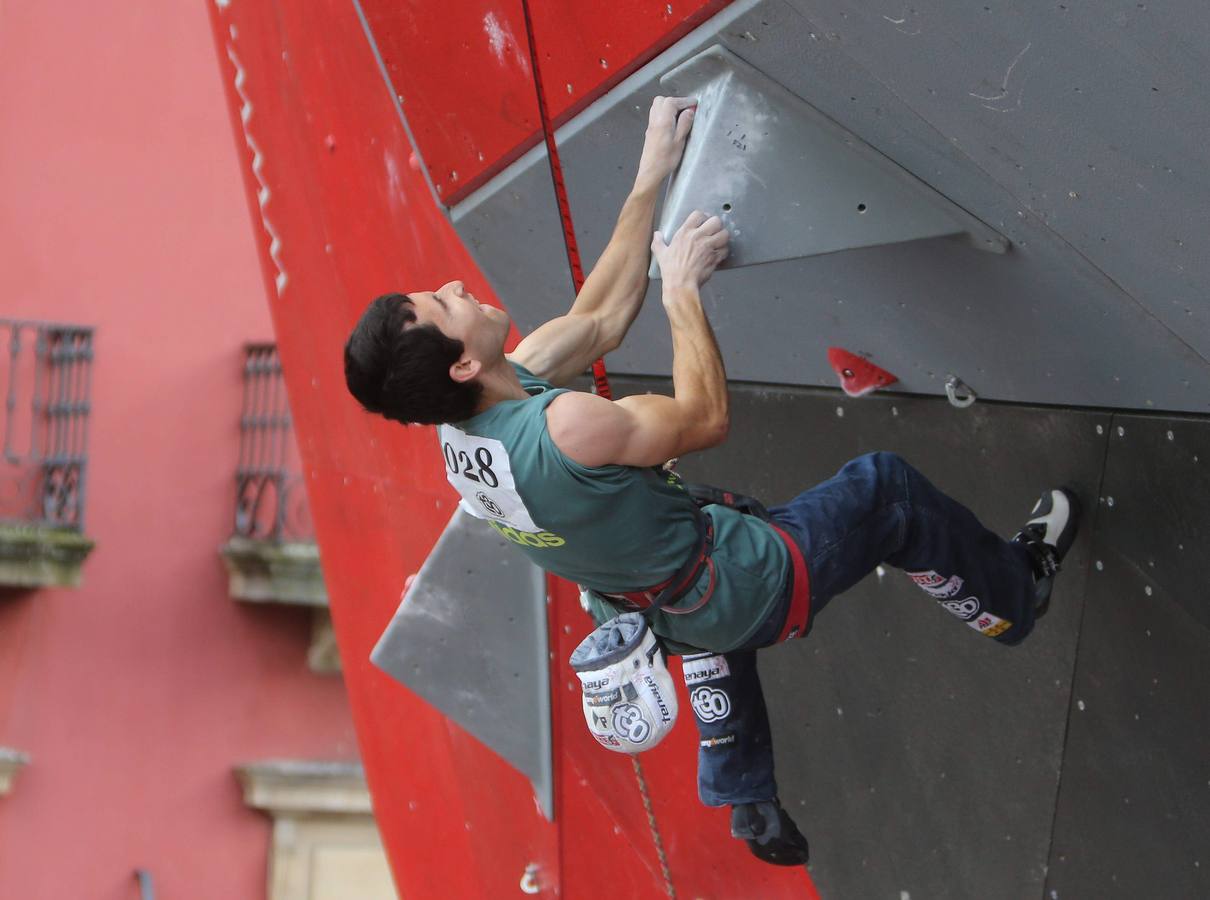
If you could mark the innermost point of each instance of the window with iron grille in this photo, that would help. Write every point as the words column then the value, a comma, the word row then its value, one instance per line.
column 271, row 500
column 46, row 410
column 46, row 384
column 271, row 555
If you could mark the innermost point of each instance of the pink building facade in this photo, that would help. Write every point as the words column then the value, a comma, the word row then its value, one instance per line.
column 135, row 695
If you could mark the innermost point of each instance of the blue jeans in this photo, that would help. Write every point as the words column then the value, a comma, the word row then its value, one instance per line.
column 876, row 509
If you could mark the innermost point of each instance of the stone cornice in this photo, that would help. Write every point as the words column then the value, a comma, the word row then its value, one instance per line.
column 36, row 557
column 11, row 762
column 301, row 786
column 274, row 571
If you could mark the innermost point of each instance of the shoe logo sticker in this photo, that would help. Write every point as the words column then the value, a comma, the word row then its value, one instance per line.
column 927, row 579
column 964, row 609
column 937, row 586
column 990, row 625
column 949, row 589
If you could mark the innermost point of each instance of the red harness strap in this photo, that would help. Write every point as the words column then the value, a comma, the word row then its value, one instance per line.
column 800, row 598
column 795, row 625
column 670, row 591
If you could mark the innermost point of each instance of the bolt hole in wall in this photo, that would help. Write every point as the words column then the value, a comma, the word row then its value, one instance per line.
column 726, row 207
column 861, row 208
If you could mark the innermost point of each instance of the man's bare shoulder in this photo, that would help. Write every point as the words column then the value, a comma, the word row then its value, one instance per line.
column 585, row 427
column 576, row 411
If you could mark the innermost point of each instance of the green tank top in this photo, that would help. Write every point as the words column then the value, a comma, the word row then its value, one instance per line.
column 609, row 528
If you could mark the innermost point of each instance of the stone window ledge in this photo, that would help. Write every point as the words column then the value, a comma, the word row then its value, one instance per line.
column 11, row 762
column 300, row 786
column 286, row 572
column 274, row 571
column 36, row 557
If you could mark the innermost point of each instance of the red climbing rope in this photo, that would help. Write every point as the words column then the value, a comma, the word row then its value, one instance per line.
column 600, row 378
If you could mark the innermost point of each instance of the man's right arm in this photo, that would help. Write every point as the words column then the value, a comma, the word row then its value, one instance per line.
column 651, row 429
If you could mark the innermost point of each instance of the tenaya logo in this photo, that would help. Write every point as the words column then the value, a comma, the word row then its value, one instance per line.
column 629, row 723
column 705, row 668
column 659, row 701
column 703, row 675
column 965, row 609
column 710, row 704
column 489, row 504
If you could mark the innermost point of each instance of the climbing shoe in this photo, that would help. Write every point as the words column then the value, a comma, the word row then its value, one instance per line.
column 1047, row 537
column 770, row 833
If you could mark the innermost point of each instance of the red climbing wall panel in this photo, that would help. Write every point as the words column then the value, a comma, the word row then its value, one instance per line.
column 463, row 70
column 341, row 218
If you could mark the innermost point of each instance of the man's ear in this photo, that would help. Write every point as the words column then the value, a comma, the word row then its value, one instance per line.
column 465, row 369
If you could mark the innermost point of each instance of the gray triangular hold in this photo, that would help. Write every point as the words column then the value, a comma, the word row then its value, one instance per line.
column 787, row 180
column 470, row 638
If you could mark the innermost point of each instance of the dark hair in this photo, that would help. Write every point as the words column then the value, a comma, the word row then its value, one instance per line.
column 402, row 372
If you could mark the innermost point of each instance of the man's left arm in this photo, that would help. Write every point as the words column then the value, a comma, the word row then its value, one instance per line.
column 613, row 293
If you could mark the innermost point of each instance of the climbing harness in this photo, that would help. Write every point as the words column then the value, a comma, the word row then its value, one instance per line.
column 662, row 595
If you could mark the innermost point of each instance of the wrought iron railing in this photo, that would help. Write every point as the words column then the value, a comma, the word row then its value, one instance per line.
column 270, row 497
column 46, row 404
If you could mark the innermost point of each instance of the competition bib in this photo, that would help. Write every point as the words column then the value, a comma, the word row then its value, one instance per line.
column 479, row 470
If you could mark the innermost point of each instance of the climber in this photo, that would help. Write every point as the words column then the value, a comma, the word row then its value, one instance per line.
column 575, row 481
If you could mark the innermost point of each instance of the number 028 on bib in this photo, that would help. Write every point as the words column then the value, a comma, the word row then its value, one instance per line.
column 480, row 472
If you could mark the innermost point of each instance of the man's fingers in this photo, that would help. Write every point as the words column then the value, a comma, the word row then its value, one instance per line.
column 682, row 102
column 657, row 244
column 663, row 109
column 694, row 219
column 711, row 225
column 684, row 121
column 674, row 103
column 719, row 239
column 407, row 585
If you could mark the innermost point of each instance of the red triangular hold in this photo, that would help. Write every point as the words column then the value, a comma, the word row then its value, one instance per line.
column 858, row 376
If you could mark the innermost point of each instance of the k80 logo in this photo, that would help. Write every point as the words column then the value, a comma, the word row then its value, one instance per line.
column 629, row 723
column 963, row 609
column 710, row 704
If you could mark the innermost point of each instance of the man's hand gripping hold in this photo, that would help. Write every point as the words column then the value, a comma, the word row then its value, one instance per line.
column 648, row 429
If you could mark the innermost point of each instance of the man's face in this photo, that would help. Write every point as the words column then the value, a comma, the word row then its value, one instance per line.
column 456, row 312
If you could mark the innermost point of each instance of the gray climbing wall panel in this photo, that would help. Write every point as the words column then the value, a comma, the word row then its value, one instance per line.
column 921, row 758
column 1040, row 121
column 788, row 182
column 918, row 756
column 471, row 638
column 1134, row 806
